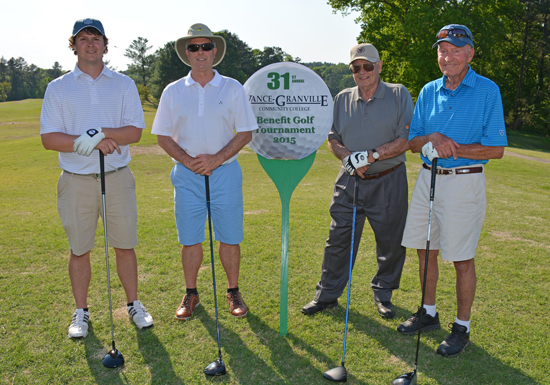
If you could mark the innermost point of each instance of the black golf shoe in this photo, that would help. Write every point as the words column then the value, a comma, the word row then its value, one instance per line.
column 317, row 306
column 385, row 309
column 456, row 342
column 410, row 326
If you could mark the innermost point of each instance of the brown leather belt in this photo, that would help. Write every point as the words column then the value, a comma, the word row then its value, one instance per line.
column 97, row 176
column 457, row 171
column 376, row 176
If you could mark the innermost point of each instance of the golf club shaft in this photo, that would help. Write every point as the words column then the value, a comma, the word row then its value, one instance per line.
column 432, row 193
column 207, row 187
column 102, row 172
column 356, row 188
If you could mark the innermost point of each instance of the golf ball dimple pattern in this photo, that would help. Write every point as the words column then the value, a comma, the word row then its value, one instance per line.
column 293, row 108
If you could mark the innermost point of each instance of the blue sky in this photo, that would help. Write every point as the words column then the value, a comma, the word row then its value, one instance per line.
column 38, row 30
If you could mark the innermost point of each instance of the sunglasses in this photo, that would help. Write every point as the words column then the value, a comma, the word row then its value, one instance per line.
column 195, row 47
column 368, row 66
column 456, row 32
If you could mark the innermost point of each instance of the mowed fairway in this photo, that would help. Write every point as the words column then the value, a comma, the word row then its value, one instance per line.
column 510, row 339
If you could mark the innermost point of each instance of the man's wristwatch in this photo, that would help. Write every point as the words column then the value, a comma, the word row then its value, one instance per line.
column 375, row 154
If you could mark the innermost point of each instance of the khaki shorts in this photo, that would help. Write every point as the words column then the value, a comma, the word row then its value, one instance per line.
column 457, row 216
column 80, row 203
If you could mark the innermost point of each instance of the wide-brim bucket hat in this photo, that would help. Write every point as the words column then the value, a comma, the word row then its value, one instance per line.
column 200, row 30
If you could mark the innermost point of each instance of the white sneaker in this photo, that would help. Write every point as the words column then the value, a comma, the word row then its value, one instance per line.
column 79, row 325
column 139, row 315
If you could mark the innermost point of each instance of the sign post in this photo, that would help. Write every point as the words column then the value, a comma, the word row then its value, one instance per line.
column 293, row 108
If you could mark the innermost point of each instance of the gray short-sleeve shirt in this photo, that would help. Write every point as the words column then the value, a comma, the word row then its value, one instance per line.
column 362, row 125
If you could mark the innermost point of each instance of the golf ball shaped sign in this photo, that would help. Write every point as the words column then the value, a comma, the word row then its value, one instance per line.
column 293, row 108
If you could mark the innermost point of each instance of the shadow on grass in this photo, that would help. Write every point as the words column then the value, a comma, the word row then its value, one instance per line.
column 243, row 364
column 154, row 354
column 156, row 357
column 473, row 366
column 95, row 351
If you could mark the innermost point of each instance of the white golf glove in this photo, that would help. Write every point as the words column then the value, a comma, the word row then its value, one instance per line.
column 429, row 151
column 85, row 143
column 356, row 160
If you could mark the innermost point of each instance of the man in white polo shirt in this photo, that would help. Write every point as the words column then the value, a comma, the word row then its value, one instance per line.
column 94, row 108
column 202, row 122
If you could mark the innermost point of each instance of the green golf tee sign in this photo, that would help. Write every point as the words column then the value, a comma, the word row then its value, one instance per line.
column 293, row 108
column 286, row 174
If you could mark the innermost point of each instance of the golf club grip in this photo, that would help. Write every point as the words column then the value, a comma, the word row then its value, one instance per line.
column 434, row 173
column 102, row 171
column 207, row 187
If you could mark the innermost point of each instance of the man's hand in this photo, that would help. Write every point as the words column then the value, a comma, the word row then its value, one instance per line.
column 85, row 143
column 204, row 164
column 429, row 151
column 356, row 160
column 446, row 147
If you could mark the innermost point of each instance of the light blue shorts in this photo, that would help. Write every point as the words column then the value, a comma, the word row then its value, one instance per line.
column 226, row 204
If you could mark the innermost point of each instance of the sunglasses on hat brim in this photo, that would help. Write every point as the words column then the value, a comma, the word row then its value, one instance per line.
column 454, row 32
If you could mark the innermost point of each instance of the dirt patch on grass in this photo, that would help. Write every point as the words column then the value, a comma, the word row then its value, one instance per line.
column 505, row 236
column 256, row 212
column 526, row 157
column 148, row 150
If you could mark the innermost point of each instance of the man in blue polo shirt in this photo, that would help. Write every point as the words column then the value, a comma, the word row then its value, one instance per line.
column 459, row 119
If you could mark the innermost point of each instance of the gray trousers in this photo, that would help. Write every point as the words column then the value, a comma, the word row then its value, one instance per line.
column 383, row 202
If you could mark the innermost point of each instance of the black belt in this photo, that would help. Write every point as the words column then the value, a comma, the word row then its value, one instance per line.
column 96, row 175
column 376, row 176
column 457, row 171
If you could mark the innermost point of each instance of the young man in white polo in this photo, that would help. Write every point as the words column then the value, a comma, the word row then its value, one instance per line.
column 95, row 108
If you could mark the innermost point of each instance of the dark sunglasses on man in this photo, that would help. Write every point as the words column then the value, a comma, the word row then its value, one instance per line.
column 368, row 66
column 195, row 47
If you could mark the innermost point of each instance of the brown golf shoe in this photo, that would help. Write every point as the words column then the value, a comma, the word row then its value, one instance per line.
column 237, row 307
column 188, row 304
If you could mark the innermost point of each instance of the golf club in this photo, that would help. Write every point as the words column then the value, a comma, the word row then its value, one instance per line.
column 113, row 358
column 216, row 368
column 411, row 377
column 339, row 374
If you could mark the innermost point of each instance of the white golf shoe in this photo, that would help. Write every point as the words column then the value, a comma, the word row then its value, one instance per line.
column 139, row 315
column 79, row 325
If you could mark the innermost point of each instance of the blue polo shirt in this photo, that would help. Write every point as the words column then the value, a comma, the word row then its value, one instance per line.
column 472, row 113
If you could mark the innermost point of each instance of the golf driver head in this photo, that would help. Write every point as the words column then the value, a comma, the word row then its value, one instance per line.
column 406, row 379
column 338, row 374
column 113, row 359
column 216, row 368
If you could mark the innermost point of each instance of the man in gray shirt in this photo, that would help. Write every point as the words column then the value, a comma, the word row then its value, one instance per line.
column 370, row 136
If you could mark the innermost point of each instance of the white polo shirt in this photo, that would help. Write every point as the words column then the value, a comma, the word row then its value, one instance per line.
column 203, row 120
column 75, row 102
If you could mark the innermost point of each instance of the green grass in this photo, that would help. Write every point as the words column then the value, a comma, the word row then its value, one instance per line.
column 510, row 341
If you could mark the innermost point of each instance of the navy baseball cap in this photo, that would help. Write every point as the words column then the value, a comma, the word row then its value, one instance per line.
column 87, row 23
column 456, row 34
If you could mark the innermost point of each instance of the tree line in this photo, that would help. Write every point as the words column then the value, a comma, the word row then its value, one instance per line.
column 511, row 42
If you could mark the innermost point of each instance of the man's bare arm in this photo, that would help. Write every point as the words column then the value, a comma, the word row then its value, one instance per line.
column 391, row 149
column 446, row 148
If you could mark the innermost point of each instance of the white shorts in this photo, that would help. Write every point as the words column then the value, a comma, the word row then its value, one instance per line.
column 457, row 216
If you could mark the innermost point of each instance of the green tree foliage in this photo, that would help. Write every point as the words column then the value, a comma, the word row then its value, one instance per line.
column 507, row 33
column 231, row 64
column 25, row 81
column 248, row 63
column 168, row 68
column 5, row 88
column 141, row 67
column 336, row 76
